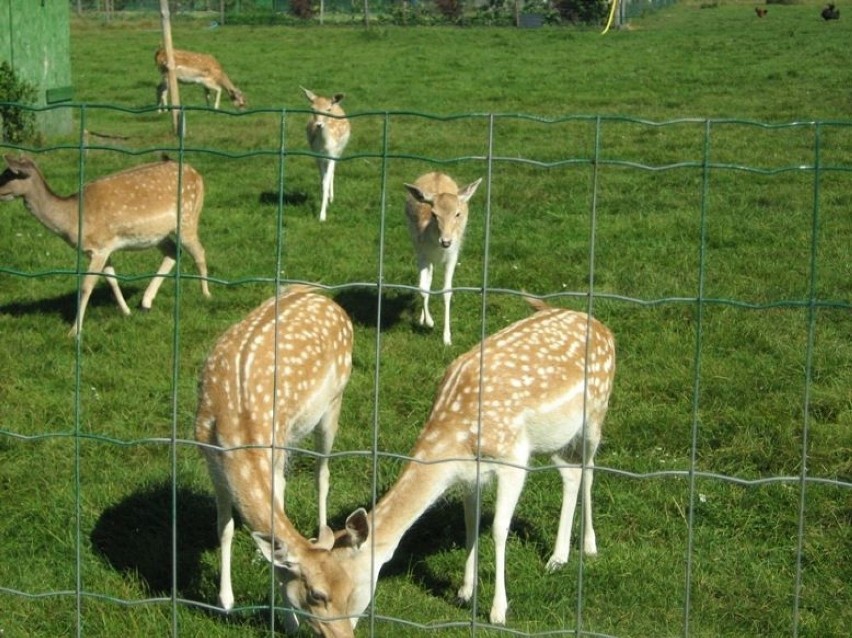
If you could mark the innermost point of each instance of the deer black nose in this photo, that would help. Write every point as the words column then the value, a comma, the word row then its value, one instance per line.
column 446, row 243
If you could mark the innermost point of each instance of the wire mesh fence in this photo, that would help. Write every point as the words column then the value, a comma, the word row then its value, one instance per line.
column 782, row 344
column 499, row 12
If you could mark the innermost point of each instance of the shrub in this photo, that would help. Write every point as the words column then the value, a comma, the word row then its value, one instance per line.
column 581, row 11
column 303, row 9
column 18, row 124
column 450, row 9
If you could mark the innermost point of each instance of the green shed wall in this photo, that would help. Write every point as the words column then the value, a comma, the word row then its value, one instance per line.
column 35, row 37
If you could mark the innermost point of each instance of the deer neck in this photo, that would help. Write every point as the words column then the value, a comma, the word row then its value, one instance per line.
column 57, row 214
column 226, row 83
column 422, row 482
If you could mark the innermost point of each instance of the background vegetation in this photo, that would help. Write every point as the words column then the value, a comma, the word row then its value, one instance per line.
column 661, row 175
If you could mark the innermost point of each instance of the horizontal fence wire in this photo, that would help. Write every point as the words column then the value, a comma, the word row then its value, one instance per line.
column 714, row 168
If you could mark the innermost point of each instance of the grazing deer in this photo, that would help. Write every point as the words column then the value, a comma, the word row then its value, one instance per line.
column 272, row 379
column 539, row 386
column 129, row 210
column 437, row 218
column 328, row 134
column 197, row 68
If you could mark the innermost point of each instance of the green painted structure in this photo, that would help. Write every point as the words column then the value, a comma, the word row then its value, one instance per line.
column 35, row 38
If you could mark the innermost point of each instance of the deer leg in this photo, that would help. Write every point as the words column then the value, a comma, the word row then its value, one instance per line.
column 325, row 171
column 510, row 483
column 109, row 274
column 169, row 250
column 471, row 541
column 196, row 250
column 96, row 267
column 330, row 177
column 590, row 545
column 224, row 527
column 426, row 270
column 162, row 89
column 324, row 437
column 218, row 98
column 449, row 270
column 571, row 478
column 592, row 440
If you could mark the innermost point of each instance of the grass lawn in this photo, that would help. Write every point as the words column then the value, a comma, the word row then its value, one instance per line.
column 689, row 180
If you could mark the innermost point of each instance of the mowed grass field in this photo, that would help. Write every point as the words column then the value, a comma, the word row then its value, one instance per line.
column 688, row 180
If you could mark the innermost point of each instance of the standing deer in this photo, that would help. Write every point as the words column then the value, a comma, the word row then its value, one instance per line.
column 328, row 134
column 134, row 209
column 539, row 386
column 196, row 68
column 272, row 379
column 437, row 217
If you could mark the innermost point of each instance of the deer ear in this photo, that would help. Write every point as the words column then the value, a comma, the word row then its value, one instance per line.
column 309, row 94
column 275, row 551
column 467, row 192
column 418, row 194
column 338, row 98
column 358, row 527
column 325, row 540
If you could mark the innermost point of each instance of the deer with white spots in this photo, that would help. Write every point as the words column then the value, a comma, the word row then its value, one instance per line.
column 130, row 210
column 539, row 386
column 328, row 134
column 196, row 68
column 437, row 213
column 271, row 380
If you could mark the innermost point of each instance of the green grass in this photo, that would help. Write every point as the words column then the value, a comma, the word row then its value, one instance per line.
column 700, row 204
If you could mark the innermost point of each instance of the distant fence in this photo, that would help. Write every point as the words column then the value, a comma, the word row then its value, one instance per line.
column 407, row 12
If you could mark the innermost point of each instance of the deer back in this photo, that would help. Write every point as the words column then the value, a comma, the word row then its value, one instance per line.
column 526, row 389
column 138, row 206
column 276, row 371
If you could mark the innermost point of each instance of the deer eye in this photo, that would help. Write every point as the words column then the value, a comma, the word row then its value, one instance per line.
column 317, row 597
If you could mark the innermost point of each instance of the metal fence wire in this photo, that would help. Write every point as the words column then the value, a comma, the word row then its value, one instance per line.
column 237, row 10
column 707, row 173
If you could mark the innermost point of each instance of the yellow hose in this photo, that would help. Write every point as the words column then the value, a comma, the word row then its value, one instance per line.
column 611, row 16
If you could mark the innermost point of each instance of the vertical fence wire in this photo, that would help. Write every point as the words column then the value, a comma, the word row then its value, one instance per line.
column 175, row 371
column 812, row 305
column 78, row 384
column 808, row 378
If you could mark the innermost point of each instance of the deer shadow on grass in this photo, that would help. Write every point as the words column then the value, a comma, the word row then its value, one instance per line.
column 362, row 305
column 64, row 305
column 139, row 535
column 442, row 529
column 271, row 198
column 148, row 532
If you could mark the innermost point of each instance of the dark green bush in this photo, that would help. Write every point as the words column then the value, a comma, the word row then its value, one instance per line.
column 18, row 123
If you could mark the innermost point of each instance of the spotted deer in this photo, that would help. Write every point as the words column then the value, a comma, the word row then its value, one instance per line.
column 328, row 132
column 196, row 68
column 130, row 210
column 272, row 379
column 539, row 386
column 437, row 212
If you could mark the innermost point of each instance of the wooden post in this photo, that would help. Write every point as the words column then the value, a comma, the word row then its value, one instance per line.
column 174, row 96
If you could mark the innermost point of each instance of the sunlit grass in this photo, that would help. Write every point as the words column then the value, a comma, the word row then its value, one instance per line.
column 587, row 197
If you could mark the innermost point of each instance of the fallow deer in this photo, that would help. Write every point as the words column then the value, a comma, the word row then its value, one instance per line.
column 328, row 134
column 196, row 68
column 437, row 212
column 130, row 210
column 539, row 386
column 272, row 379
